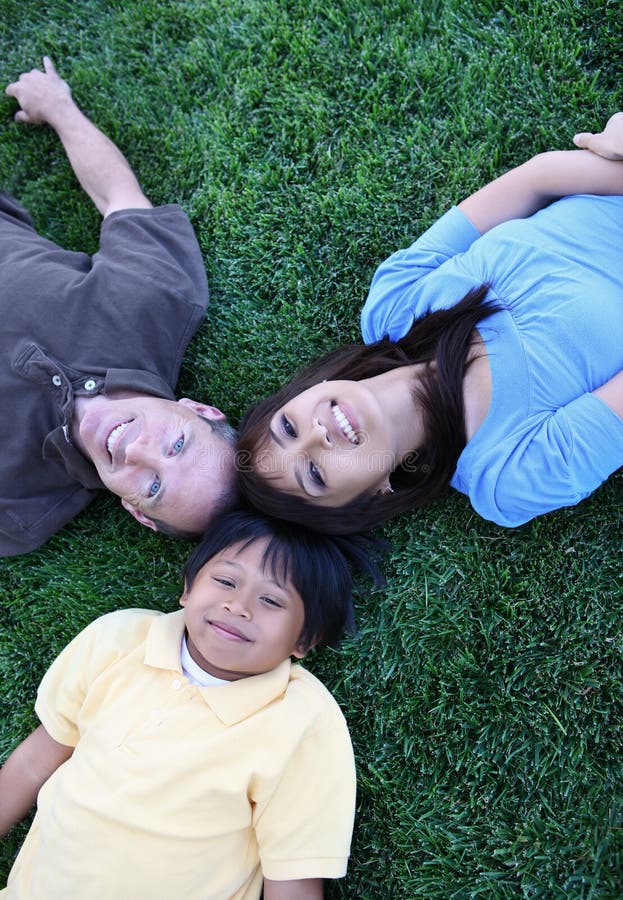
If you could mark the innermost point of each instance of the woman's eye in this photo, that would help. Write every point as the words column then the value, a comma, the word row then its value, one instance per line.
column 154, row 487
column 177, row 446
column 288, row 427
column 315, row 475
column 226, row 581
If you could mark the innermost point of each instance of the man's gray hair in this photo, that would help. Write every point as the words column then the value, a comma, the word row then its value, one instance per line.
column 223, row 429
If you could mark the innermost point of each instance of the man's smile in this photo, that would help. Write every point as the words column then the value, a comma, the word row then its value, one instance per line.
column 113, row 437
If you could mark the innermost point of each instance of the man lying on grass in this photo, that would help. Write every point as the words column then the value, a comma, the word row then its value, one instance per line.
column 185, row 755
column 91, row 349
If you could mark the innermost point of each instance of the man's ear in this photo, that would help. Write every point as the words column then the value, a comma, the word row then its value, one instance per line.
column 138, row 515
column 202, row 409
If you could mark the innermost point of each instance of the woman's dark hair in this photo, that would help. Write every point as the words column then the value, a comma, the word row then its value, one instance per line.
column 444, row 338
column 316, row 565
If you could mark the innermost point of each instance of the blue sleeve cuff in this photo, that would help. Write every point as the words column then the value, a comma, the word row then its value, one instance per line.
column 392, row 302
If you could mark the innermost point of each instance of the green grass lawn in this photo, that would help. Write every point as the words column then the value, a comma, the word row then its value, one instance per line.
column 307, row 140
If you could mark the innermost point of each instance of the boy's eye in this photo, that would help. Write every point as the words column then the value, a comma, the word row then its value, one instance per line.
column 315, row 475
column 154, row 487
column 288, row 427
column 177, row 446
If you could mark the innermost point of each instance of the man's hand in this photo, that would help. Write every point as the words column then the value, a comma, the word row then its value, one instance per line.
column 608, row 143
column 100, row 167
column 41, row 95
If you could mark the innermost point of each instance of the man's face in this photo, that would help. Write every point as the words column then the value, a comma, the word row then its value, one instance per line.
column 159, row 456
column 241, row 618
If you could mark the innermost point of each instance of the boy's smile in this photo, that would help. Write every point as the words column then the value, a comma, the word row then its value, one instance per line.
column 241, row 618
column 228, row 631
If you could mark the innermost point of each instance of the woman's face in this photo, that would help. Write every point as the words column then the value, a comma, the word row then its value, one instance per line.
column 329, row 444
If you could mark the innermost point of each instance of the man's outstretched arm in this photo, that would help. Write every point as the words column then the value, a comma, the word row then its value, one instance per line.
column 100, row 167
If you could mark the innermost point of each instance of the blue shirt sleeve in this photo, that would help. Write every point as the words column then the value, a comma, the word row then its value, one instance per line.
column 559, row 462
column 394, row 301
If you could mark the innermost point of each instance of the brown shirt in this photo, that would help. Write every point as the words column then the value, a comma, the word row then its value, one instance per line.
column 72, row 325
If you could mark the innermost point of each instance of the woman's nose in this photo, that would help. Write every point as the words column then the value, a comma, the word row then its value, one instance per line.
column 320, row 433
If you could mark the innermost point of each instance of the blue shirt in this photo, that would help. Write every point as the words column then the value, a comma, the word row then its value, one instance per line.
column 547, row 440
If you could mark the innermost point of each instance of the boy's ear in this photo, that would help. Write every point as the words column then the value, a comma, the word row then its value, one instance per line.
column 301, row 650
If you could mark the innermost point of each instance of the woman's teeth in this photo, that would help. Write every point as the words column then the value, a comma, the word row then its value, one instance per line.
column 114, row 435
column 344, row 424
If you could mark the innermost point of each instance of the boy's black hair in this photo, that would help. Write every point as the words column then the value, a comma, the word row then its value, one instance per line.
column 316, row 565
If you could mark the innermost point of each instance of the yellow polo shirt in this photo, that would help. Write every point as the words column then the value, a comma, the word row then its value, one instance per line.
column 175, row 790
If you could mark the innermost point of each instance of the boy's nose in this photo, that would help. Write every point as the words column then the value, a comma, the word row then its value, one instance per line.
column 238, row 604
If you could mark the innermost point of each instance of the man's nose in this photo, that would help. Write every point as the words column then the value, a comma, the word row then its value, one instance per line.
column 141, row 451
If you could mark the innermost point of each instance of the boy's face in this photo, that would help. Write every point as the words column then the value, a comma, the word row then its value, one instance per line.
column 240, row 619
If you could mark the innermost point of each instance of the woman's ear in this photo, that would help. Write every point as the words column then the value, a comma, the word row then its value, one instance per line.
column 386, row 488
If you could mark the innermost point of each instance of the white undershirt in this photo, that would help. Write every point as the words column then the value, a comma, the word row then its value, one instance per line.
column 194, row 673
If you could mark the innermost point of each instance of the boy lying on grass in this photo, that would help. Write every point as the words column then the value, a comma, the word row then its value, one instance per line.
column 184, row 754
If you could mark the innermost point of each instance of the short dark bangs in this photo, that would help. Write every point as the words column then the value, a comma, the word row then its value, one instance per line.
column 317, row 566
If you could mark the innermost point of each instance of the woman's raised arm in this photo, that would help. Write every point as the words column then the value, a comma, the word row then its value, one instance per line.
column 548, row 176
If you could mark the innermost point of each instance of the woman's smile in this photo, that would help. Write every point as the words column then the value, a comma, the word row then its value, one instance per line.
column 345, row 423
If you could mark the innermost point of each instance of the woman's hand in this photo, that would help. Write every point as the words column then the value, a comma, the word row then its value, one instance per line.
column 608, row 143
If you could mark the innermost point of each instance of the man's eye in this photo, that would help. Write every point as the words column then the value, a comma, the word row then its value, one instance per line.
column 177, row 446
column 288, row 427
column 315, row 475
column 154, row 487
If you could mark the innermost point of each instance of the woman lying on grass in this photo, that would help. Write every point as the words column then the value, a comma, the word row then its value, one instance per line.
column 493, row 362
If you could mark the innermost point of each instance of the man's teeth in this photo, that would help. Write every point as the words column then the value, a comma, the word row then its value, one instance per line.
column 114, row 435
column 344, row 424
